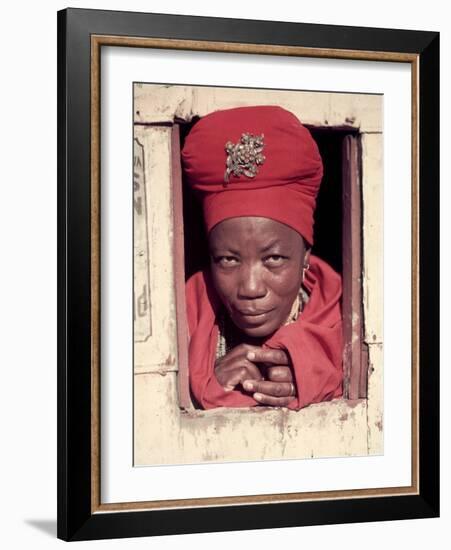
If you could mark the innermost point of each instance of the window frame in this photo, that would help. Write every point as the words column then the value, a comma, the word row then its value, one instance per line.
column 355, row 352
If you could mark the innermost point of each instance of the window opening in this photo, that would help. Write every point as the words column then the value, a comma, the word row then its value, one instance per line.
column 337, row 240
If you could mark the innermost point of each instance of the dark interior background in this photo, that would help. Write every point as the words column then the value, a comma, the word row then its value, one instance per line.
column 328, row 213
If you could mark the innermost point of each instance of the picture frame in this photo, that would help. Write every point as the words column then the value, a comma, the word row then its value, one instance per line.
column 81, row 36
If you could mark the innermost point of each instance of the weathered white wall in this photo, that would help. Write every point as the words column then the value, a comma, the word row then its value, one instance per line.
column 159, row 350
column 164, row 433
column 162, row 103
column 373, row 270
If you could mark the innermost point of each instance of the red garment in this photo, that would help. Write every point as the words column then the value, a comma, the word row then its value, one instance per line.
column 286, row 184
column 314, row 341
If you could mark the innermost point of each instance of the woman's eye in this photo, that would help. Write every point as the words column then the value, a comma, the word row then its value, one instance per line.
column 274, row 260
column 226, row 261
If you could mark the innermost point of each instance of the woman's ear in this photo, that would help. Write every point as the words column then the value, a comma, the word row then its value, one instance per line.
column 305, row 264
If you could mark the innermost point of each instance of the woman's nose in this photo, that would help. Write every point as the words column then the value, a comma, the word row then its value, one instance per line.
column 251, row 284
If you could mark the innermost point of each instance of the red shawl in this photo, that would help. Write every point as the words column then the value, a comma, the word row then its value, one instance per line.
column 314, row 341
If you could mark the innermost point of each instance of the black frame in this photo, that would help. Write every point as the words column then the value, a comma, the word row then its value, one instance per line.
column 75, row 519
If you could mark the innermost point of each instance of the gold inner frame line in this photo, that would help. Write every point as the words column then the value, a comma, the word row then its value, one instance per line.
column 97, row 41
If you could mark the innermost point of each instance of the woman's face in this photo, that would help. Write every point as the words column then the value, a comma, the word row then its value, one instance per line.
column 256, row 265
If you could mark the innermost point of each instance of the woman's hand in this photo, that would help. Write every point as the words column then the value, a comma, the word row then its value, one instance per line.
column 235, row 367
column 279, row 389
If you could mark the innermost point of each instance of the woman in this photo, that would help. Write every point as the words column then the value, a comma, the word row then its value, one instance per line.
column 264, row 319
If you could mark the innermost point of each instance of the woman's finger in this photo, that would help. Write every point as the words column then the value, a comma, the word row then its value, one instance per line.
column 233, row 364
column 275, row 389
column 273, row 356
column 279, row 374
column 234, row 378
column 273, row 401
column 248, row 372
column 251, row 371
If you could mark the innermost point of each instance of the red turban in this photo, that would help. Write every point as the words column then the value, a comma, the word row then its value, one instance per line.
column 254, row 161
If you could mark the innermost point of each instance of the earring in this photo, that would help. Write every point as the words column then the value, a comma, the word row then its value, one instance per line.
column 304, row 269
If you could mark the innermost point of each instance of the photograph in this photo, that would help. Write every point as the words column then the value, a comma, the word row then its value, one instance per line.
column 258, row 274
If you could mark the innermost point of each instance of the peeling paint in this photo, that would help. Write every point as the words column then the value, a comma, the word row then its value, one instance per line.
column 352, row 403
column 170, row 360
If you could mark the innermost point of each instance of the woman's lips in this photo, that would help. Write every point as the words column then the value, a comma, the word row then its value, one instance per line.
column 253, row 317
